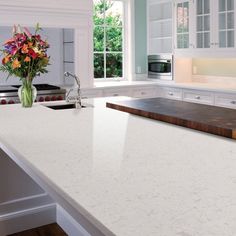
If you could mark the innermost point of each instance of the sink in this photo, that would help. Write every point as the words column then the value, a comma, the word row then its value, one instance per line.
column 63, row 106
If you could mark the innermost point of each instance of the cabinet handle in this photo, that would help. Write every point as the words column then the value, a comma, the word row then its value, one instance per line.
column 115, row 94
column 233, row 102
column 170, row 93
column 198, row 97
column 143, row 93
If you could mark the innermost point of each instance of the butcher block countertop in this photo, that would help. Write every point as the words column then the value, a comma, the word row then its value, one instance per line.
column 210, row 119
column 126, row 174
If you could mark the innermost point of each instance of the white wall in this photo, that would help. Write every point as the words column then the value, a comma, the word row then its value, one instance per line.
column 55, row 39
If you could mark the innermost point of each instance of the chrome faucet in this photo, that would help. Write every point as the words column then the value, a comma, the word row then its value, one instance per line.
column 76, row 99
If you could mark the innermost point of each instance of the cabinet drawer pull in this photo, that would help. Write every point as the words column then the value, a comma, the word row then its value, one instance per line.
column 115, row 94
column 233, row 102
column 198, row 97
column 143, row 93
column 170, row 93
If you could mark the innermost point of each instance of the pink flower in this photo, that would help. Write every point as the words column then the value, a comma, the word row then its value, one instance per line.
column 32, row 53
column 27, row 32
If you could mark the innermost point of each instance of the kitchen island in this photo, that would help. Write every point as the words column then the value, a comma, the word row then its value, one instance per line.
column 127, row 175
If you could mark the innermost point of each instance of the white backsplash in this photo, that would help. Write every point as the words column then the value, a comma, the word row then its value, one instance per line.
column 214, row 80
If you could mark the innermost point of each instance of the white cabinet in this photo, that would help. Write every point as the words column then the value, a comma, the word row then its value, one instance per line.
column 226, row 23
column 205, row 27
column 144, row 92
column 171, row 93
column 91, row 93
column 183, row 33
column 203, row 34
column 197, row 96
column 215, row 24
column 113, row 92
column 130, row 91
column 159, row 18
column 225, row 100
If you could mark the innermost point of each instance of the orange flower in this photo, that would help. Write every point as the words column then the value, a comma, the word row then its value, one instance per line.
column 30, row 44
column 16, row 64
column 6, row 59
column 24, row 49
column 27, row 59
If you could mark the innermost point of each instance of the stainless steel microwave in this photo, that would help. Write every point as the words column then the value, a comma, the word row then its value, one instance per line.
column 160, row 66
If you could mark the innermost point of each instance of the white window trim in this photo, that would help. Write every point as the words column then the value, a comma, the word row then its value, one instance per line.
column 128, row 46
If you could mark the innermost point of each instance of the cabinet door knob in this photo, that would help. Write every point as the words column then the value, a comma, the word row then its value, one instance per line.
column 170, row 93
column 197, row 97
column 233, row 102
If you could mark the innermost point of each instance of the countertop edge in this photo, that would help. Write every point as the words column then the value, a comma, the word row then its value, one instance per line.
column 56, row 193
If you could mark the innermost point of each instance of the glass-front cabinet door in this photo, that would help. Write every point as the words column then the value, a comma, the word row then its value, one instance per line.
column 203, row 24
column 226, row 23
column 182, row 24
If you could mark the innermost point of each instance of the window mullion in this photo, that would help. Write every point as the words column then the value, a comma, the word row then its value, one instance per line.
column 104, row 53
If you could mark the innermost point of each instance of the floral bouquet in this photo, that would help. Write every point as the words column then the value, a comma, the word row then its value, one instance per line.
column 25, row 56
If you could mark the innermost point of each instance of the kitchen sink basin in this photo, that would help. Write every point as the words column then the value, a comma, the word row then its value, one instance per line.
column 63, row 106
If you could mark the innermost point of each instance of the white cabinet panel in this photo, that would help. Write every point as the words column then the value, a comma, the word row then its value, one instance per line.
column 117, row 92
column 171, row 93
column 160, row 29
column 69, row 52
column 205, row 28
column 196, row 96
column 225, row 100
column 144, row 92
column 68, row 35
column 160, row 10
column 91, row 93
column 159, row 19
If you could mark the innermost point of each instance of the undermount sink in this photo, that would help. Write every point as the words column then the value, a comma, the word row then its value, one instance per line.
column 63, row 106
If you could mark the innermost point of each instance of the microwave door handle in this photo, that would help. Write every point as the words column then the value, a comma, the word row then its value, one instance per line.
column 156, row 61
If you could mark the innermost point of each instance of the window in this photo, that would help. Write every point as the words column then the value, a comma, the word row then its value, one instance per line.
column 108, row 39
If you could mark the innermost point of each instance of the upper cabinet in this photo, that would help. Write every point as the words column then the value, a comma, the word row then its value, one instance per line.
column 203, row 17
column 226, row 23
column 182, row 24
column 159, row 25
column 204, row 28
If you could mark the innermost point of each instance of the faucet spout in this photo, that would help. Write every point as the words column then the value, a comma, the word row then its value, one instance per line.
column 77, row 98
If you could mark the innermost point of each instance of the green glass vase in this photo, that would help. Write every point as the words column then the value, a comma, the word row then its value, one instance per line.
column 27, row 93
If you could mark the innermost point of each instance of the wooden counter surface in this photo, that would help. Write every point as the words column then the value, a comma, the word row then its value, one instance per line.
column 209, row 119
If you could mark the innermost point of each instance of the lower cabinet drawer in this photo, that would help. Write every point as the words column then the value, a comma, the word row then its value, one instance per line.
column 225, row 100
column 116, row 92
column 91, row 93
column 144, row 93
column 172, row 93
column 198, row 97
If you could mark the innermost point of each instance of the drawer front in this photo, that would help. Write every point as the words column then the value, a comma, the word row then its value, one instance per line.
column 144, row 93
column 116, row 92
column 172, row 93
column 225, row 100
column 90, row 93
column 198, row 97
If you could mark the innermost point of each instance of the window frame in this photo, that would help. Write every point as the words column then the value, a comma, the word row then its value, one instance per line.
column 126, row 42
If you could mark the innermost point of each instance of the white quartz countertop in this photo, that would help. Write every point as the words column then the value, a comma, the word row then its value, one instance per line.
column 129, row 175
